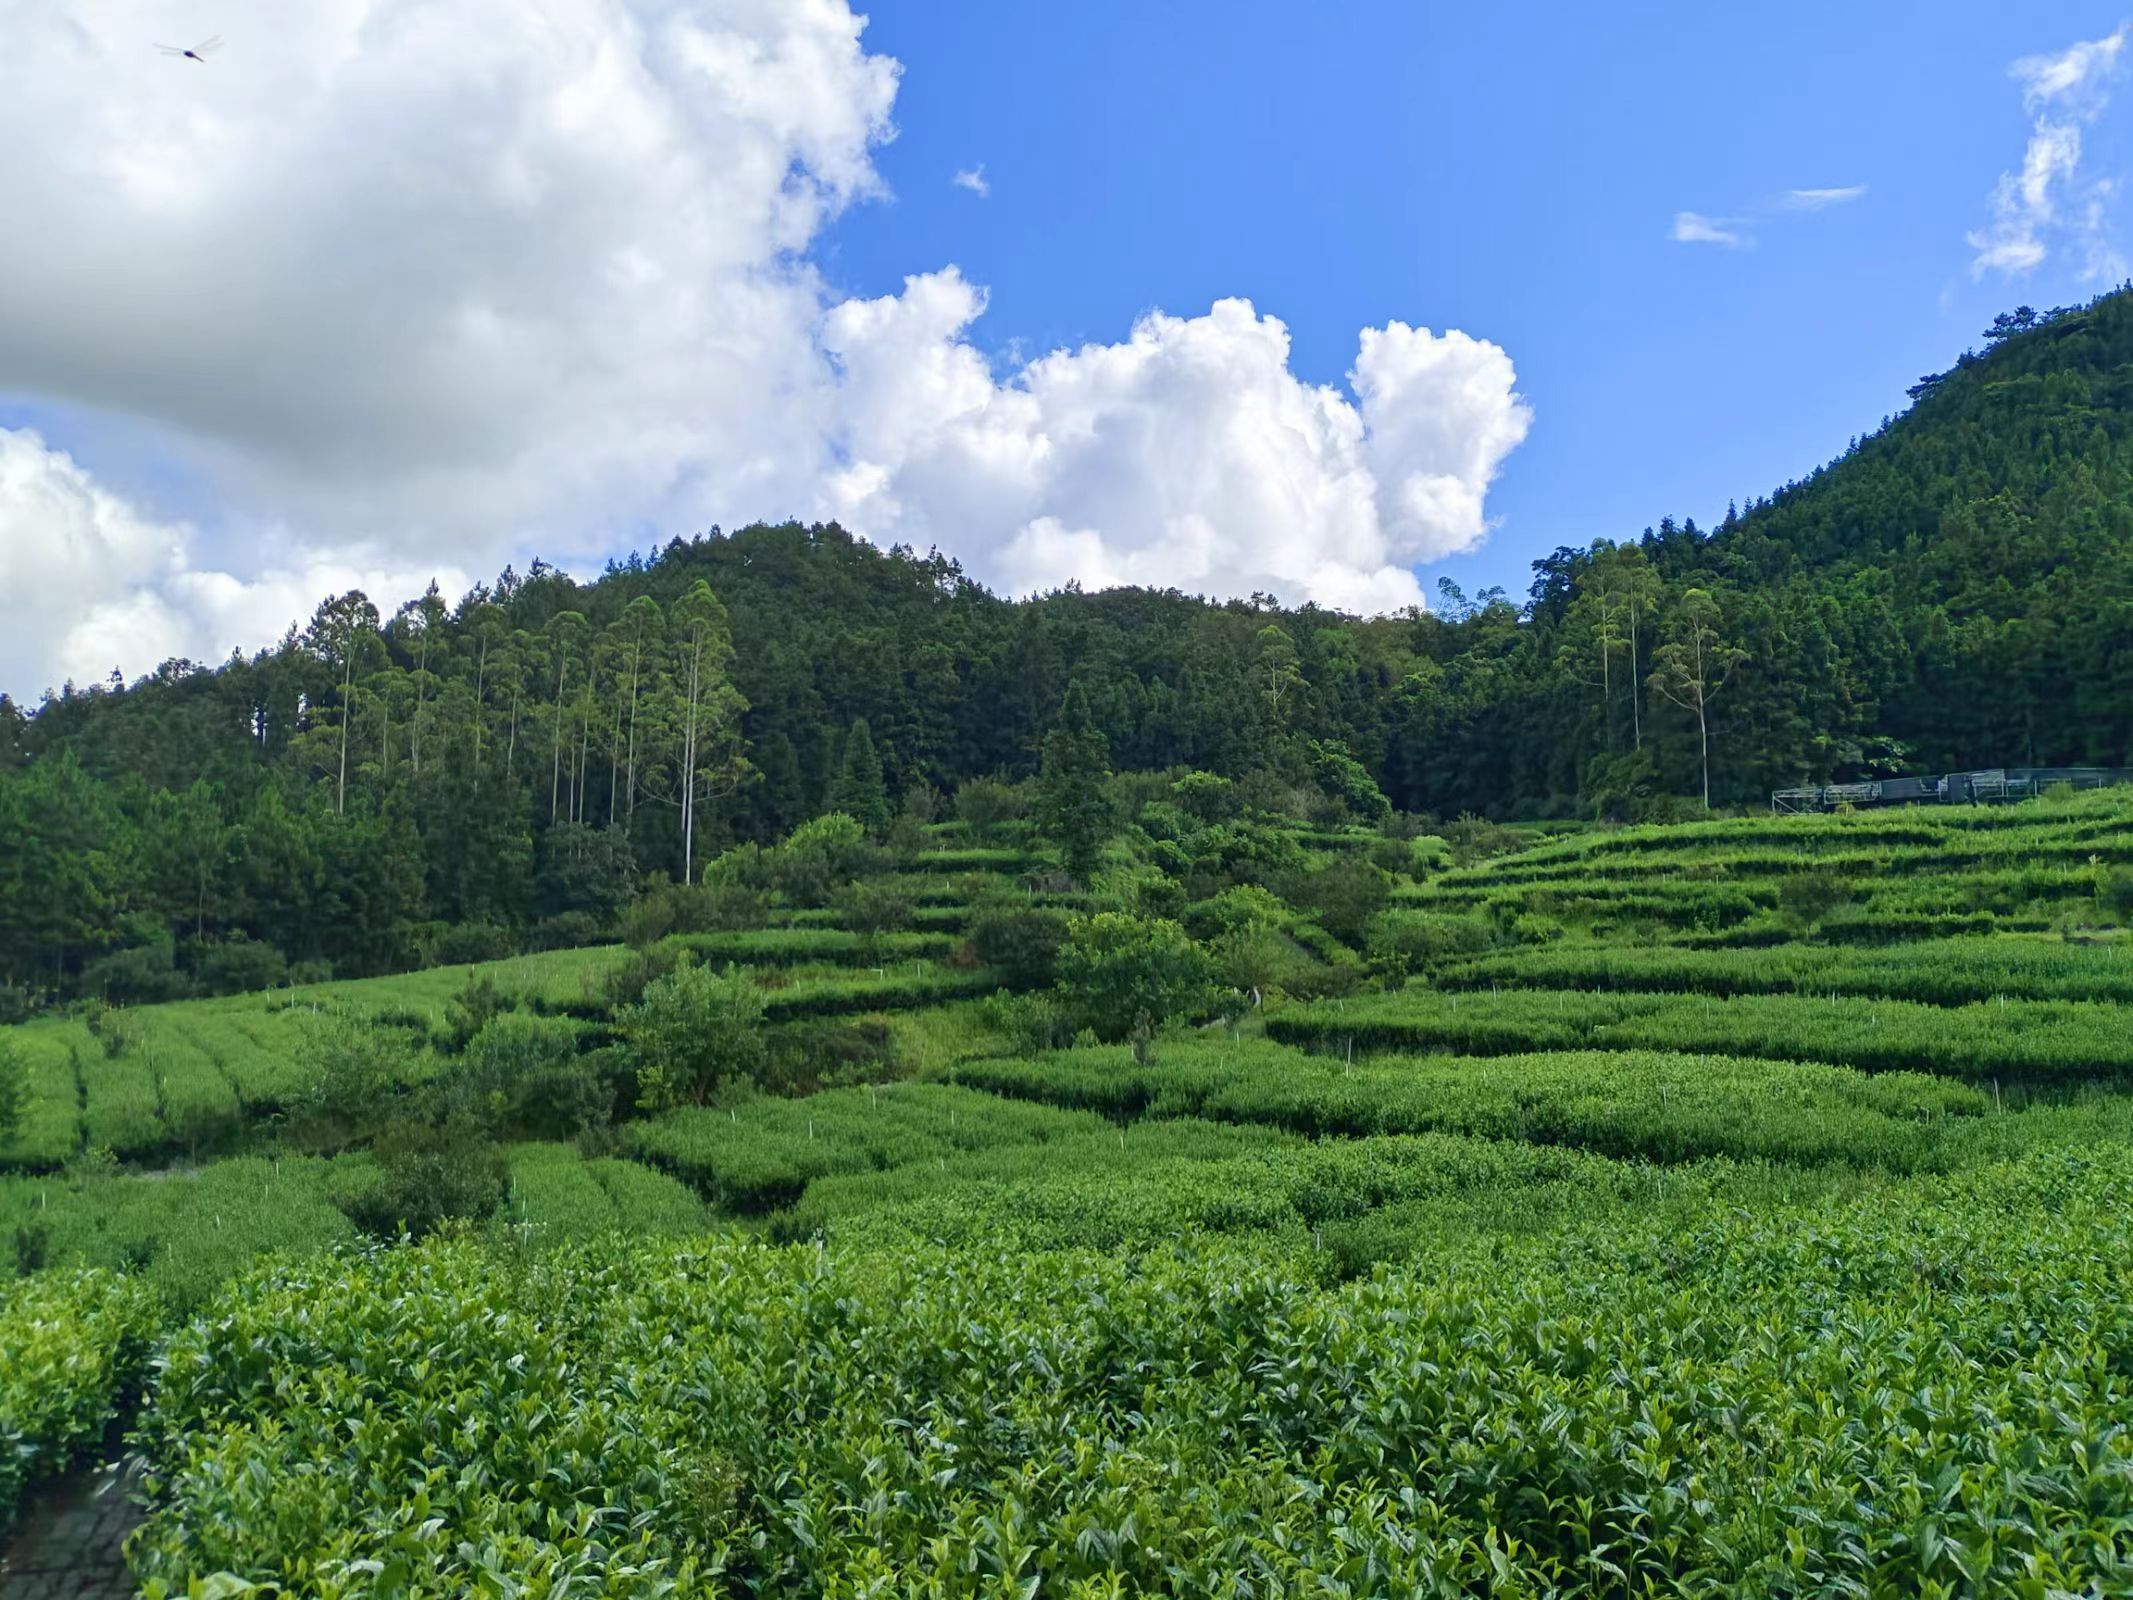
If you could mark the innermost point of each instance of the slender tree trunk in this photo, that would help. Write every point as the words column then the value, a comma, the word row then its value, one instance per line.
column 1703, row 726
column 629, row 788
column 1636, row 718
column 1703, row 742
column 584, row 751
column 614, row 767
column 481, row 666
column 688, row 766
column 340, row 796
column 414, row 723
column 555, row 765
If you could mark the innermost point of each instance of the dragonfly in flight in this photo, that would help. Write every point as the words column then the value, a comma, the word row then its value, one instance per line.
column 199, row 52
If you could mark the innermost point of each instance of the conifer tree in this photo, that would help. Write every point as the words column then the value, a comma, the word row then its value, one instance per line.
column 340, row 630
column 859, row 791
column 1074, row 807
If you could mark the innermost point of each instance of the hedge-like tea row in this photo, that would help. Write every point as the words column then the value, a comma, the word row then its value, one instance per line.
column 548, row 978
column 1088, row 1189
column 927, row 919
column 254, row 1050
column 841, row 995
column 2010, row 1041
column 50, row 1130
column 182, row 1233
column 1689, row 904
column 559, row 1194
column 71, row 1344
column 1343, row 1203
column 1636, row 1105
column 762, row 1155
column 1951, row 971
column 1885, row 911
column 779, row 947
column 2006, row 852
column 1920, row 1392
column 2093, row 823
column 976, row 858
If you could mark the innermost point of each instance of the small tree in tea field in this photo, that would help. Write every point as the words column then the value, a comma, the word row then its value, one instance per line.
column 694, row 1033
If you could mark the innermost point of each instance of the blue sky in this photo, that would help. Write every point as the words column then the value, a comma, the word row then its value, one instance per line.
column 1509, row 169
column 388, row 293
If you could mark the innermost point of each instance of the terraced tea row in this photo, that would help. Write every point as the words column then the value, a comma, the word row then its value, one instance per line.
column 1866, row 879
column 1953, row 971
column 2067, row 831
column 1868, row 910
column 562, row 1195
column 762, row 1155
column 2010, row 1042
column 1343, row 1204
column 1630, row 1105
column 176, row 1080
column 184, row 1232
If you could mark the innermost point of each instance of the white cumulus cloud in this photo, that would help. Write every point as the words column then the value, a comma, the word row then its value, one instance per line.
column 425, row 286
column 419, row 272
column 973, row 179
column 2029, row 211
column 90, row 584
column 1188, row 454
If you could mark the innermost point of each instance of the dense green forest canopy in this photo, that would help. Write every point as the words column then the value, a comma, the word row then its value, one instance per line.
column 1953, row 591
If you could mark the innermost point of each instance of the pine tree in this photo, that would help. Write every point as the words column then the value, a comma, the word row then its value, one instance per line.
column 340, row 630
column 1074, row 806
column 778, row 801
column 859, row 791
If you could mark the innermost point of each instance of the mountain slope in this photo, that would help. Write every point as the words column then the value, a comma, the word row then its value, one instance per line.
column 1955, row 590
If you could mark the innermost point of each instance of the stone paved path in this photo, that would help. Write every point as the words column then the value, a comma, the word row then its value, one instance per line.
column 70, row 1542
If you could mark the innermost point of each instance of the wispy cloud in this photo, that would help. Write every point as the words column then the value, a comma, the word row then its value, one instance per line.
column 2075, row 73
column 973, row 179
column 2064, row 90
column 1692, row 227
column 1737, row 232
column 2101, row 261
column 1822, row 199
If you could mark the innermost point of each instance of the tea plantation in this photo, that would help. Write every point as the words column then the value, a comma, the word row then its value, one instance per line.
column 1727, row 1208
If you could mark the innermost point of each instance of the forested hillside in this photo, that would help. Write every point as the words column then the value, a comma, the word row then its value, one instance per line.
column 1956, row 589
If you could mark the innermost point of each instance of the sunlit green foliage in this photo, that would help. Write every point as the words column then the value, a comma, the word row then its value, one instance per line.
column 1612, row 1406
column 695, row 1032
column 71, row 1343
column 1121, row 975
